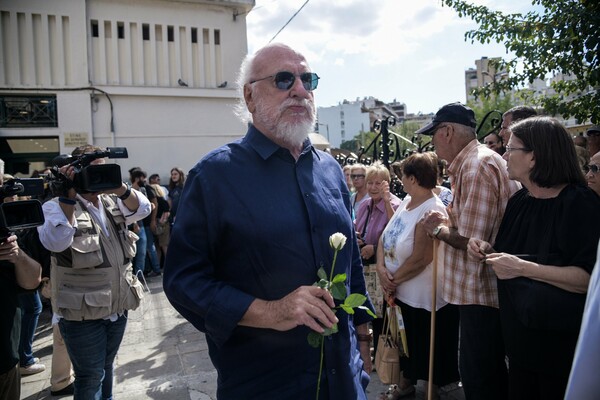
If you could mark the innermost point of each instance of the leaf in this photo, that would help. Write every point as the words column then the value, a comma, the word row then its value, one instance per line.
column 321, row 273
column 346, row 308
column 330, row 331
column 368, row 310
column 338, row 291
column 339, row 278
column 323, row 283
column 355, row 300
column 314, row 339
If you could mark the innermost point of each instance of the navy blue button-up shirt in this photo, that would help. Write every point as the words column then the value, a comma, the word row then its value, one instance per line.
column 255, row 223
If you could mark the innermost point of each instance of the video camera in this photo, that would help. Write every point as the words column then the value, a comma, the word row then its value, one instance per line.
column 20, row 214
column 88, row 178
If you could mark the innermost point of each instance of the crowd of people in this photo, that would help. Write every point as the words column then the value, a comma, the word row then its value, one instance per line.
column 513, row 220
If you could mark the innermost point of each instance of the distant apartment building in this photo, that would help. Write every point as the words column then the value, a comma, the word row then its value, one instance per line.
column 483, row 74
column 155, row 76
column 344, row 121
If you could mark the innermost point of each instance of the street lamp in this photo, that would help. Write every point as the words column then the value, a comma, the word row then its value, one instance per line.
column 326, row 126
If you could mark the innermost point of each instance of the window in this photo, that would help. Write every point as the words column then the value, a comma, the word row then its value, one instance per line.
column 145, row 32
column 120, row 30
column 28, row 111
column 170, row 34
column 194, row 35
column 217, row 37
column 95, row 29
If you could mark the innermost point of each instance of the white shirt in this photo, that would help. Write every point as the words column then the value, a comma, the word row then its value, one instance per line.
column 56, row 234
column 398, row 242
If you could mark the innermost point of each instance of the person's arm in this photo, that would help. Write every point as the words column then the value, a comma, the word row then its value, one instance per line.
column 421, row 257
column 364, row 344
column 452, row 237
column 570, row 278
column 387, row 198
column 135, row 207
column 28, row 272
column 56, row 234
column 128, row 196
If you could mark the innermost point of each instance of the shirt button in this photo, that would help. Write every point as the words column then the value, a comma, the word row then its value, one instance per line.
column 333, row 371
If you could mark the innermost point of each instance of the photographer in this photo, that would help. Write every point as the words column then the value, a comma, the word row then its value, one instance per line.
column 18, row 272
column 92, row 281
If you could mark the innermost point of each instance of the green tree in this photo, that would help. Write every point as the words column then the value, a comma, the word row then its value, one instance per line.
column 559, row 36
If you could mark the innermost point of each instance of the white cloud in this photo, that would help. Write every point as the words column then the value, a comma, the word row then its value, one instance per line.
column 410, row 50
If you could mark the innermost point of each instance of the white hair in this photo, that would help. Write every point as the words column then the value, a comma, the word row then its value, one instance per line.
column 240, row 109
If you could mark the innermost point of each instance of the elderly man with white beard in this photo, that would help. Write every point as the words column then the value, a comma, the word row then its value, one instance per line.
column 252, row 230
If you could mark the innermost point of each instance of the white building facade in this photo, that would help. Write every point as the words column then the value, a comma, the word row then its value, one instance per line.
column 154, row 76
column 346, row 120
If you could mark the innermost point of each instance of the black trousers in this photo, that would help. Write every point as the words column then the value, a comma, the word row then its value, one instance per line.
column 482, row 358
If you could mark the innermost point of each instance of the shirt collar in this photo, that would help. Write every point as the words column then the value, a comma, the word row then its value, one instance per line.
column 265, row 147
column 463, row 155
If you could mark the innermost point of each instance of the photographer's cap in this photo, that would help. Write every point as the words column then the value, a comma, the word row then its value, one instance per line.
column 454, row 112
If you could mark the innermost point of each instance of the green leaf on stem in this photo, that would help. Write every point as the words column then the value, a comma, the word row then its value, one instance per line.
column 314, row 339
column 323, row 283
column 338, row 291
column 355, row 300
column 322, row 274
column 339, row 278
column 331, row 331
column 346, row 308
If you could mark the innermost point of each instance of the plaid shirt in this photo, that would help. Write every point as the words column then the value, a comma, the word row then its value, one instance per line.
column 481, row 189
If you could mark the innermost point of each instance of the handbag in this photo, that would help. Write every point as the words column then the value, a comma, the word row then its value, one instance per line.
column 387, row 357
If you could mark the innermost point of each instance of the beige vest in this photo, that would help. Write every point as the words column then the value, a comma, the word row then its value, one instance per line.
column 93, row 279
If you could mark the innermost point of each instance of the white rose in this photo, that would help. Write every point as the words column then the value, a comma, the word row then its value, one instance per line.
column 337, row 241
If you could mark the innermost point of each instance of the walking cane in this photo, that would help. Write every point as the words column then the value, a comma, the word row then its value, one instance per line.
column 432, row 331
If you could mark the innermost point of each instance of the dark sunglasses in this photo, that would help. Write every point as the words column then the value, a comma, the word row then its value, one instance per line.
column 592, row 167
column 356, row 176
column 284, row 80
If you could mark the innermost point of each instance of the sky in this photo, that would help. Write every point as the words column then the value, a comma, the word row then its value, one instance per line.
column 413, row 51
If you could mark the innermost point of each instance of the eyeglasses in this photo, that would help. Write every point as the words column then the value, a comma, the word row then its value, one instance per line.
column 437, row 128
column 356, row 176
column 509, row 149
column 489, row 143
column 592, row 167
column 284, row 80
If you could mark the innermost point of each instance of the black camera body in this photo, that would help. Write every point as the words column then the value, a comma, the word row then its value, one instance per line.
column 89, row 178
column 20, row 214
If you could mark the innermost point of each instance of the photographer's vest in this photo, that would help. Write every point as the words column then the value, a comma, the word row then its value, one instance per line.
column 93, row 279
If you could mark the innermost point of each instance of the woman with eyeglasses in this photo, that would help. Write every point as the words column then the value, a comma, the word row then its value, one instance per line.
column 593, row 174
column 405, row 268
column 543, row 256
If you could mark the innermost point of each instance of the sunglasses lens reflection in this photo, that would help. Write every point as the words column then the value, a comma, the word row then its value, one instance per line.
column 285, row 80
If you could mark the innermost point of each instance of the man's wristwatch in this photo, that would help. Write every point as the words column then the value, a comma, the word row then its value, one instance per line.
column 436, row 231
column 127, row 193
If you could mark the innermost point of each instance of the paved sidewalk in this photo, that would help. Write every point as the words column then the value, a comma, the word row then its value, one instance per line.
column 162, row 357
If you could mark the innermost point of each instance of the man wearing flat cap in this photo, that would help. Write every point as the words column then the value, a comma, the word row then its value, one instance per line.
column 481, row 189
column 593, row 139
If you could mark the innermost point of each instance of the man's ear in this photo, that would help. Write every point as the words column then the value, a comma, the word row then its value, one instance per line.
column 249, row 98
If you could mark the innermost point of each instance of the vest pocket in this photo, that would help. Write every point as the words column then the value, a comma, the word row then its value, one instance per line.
column 134, row 293
column 86, row 251
column 76, row 304
column 129, row 246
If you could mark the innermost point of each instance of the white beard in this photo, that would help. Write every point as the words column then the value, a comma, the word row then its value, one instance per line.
column 288, row 132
